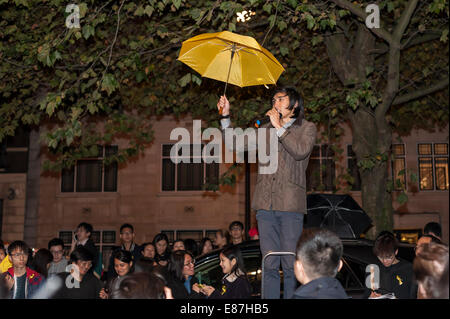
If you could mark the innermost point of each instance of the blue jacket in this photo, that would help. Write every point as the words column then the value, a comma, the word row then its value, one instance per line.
column 321, row 288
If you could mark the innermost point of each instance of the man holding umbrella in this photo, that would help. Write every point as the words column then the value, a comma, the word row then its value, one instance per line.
column 280, row 198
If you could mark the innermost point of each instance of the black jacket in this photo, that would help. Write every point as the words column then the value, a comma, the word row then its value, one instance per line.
column 397, row 279
column 179, row 291
column 89, row 287
column 321, row 288
column 234, row 287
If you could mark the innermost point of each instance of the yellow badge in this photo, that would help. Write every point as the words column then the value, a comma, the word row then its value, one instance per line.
column 224, row 289
column 400, row 282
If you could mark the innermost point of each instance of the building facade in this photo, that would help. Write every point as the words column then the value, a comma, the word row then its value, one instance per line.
column 156, row 195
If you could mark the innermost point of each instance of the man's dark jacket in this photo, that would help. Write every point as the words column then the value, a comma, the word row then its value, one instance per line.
column 397, row 279
column 321, row 288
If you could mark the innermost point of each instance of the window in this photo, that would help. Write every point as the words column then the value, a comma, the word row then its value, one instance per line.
column 353, row 169
column 320, row 174
column 398, row 165
column 191, row 173
column 90, row 174
column 433, row 166
column 14, row 152
column 104, row 240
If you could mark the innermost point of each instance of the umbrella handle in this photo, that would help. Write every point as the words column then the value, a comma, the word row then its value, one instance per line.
column 229, row 68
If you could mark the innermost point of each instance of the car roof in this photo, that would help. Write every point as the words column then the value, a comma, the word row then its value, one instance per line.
column 356, row 249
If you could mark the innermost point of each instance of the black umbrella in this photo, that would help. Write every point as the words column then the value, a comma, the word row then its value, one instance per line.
column 339, row 213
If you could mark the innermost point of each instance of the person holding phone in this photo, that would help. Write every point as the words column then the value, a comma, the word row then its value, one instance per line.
column 82, row 237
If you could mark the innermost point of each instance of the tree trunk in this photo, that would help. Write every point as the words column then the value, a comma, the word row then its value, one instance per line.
column 32, row 189
column 371, row 138
column 350, row 56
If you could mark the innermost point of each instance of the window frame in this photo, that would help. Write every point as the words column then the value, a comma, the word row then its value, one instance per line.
column 433, row 158
column 205, row 178
column 99, row 158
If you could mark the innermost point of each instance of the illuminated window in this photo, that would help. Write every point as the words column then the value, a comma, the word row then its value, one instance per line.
column 398, row 165
column 353, row 169
column 433, row 166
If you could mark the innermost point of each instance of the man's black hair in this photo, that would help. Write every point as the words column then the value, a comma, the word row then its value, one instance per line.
column 18, row 244
column 127, row 226
column 80, row 253
column 294, row 97
column 385, row 244
column 123, row 255
column 433, row 228
column 55, row 242
column 236, row 223
column 87, row 227
column 320, row 251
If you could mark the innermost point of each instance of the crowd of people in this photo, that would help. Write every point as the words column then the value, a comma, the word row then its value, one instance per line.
column 164, row 270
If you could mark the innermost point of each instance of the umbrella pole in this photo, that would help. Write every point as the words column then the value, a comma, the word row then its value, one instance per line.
column 233, row 48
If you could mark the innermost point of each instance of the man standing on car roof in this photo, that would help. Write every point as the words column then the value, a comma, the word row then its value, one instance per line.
column 280, row 198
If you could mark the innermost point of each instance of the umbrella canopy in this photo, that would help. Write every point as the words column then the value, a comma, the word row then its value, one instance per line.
column 339, row 213
column 230, row 58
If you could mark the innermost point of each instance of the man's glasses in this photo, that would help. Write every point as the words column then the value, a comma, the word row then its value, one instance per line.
column 279, row 99
column 18, row 255
column 56, row 252
column 387, row 258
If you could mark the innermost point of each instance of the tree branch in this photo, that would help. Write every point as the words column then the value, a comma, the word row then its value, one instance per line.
column 418, row 94
column 405, row 19
column 380, row 32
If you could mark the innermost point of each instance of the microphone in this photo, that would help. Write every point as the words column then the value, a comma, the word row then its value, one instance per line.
column 261, row 122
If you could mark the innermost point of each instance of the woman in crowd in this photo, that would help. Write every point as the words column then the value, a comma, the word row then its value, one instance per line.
column 180, row 277
column 161, row 243
column 123, row 265
column 235, row 281
column 222, row 239
column 206, row 246
column 148, row 250
column 178, row 245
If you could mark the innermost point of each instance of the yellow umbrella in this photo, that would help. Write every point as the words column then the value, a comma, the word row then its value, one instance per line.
column 230, row 58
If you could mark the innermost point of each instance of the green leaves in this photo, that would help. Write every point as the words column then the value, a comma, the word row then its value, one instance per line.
column 88, row 31
column 109, row 83
column 188, row 78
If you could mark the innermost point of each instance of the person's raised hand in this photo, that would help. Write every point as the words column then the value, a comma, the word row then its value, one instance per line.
column 274, row 118
column 9, row 281
column 223, row 105
column 103, row 294
column 168, row 292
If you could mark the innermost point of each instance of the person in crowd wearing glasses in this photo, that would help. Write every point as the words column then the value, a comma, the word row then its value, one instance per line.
column 21, row 280
column 280, row 197
column 236, row 229
column 396, row 275
column 59, row 263
column 180, row 276
column 78, row 281
column 127, row 236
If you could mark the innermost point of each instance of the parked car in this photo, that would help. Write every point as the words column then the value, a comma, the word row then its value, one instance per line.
column 357, row 255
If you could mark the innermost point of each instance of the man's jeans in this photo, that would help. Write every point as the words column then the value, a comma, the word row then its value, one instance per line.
column 279, row 231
